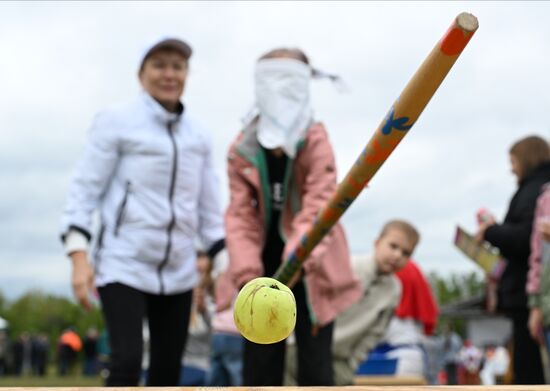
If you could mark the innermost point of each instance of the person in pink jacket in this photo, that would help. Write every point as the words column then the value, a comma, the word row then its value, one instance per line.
column 538, row 279
column 281, row 172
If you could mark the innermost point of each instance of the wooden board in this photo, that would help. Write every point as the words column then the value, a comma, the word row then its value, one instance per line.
column 351, row 388
column 389, row 380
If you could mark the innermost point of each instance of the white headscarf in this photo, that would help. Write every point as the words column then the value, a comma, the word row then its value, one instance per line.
column 283, row 103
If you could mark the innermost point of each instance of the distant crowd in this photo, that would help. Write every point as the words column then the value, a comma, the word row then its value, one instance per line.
column 32, row 354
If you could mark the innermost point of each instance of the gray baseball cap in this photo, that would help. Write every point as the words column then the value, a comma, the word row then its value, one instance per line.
column 168, row 43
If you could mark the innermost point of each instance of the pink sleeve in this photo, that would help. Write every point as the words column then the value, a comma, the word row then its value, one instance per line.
column 244, row 234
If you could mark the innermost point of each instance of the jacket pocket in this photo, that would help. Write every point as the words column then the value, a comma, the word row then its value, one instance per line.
column 122, row 208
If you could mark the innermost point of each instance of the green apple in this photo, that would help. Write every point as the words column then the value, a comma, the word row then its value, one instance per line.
column 265, row 311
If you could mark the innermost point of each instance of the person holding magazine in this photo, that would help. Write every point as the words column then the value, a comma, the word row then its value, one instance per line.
column 530, row 161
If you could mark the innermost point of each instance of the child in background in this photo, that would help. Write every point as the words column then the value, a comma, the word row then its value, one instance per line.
column 226, row 349
column 495, row 364
column 195, row 362
column 452, row 343
column 470, row 360
column 360, row 328
column 226, row 343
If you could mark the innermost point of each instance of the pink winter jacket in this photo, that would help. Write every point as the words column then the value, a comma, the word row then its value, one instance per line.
column 535, row 266
column 329, row 280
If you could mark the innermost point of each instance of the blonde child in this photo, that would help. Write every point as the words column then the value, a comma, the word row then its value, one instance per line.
column 360, row 328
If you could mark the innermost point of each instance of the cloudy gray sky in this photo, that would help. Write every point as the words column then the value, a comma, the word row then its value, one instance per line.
column 61, row 62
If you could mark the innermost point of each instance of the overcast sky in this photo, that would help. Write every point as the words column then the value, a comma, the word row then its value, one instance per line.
column 62, row 62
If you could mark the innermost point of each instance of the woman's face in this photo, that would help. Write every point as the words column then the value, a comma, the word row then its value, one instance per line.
column 163, row 77
column 516, row 167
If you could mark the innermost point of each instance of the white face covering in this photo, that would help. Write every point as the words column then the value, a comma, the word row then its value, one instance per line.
column 282, row 99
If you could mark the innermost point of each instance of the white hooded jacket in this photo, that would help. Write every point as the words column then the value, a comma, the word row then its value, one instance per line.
column 150, row 174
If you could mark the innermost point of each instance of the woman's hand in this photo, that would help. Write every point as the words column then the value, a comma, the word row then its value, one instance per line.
column 480, row 234
column 492, row 296
column 485, row 220
column 544, row 227
column 535, row 325
column 295, row 278
column 82, row 278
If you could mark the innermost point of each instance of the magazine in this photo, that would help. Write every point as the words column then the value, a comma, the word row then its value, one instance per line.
column 484, row 255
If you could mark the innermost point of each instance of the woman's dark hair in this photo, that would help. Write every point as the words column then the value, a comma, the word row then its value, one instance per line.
column 294, row 53
column 530, row 152
column 298, row 54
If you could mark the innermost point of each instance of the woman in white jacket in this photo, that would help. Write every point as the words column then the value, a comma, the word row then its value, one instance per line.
column 147, row 168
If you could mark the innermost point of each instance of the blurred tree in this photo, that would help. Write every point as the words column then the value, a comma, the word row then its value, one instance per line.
column 456, row 287
column 3, row 304
column 37, row 312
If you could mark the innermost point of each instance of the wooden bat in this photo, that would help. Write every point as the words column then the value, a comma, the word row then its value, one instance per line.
column 395, row 125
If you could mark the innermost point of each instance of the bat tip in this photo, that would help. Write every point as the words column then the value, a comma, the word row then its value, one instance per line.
column 467, row 22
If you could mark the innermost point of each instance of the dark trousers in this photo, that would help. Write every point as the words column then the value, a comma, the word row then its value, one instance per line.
column 263, row 365
column 67, row 359
column 450, row 370
column 124, row 309
column 527, row 360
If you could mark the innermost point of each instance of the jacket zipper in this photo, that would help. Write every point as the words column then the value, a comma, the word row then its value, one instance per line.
column 99, row 247
column 172, row 222
column 122, row 208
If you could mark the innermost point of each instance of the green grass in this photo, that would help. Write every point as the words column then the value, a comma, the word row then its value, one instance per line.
column 50, row 381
